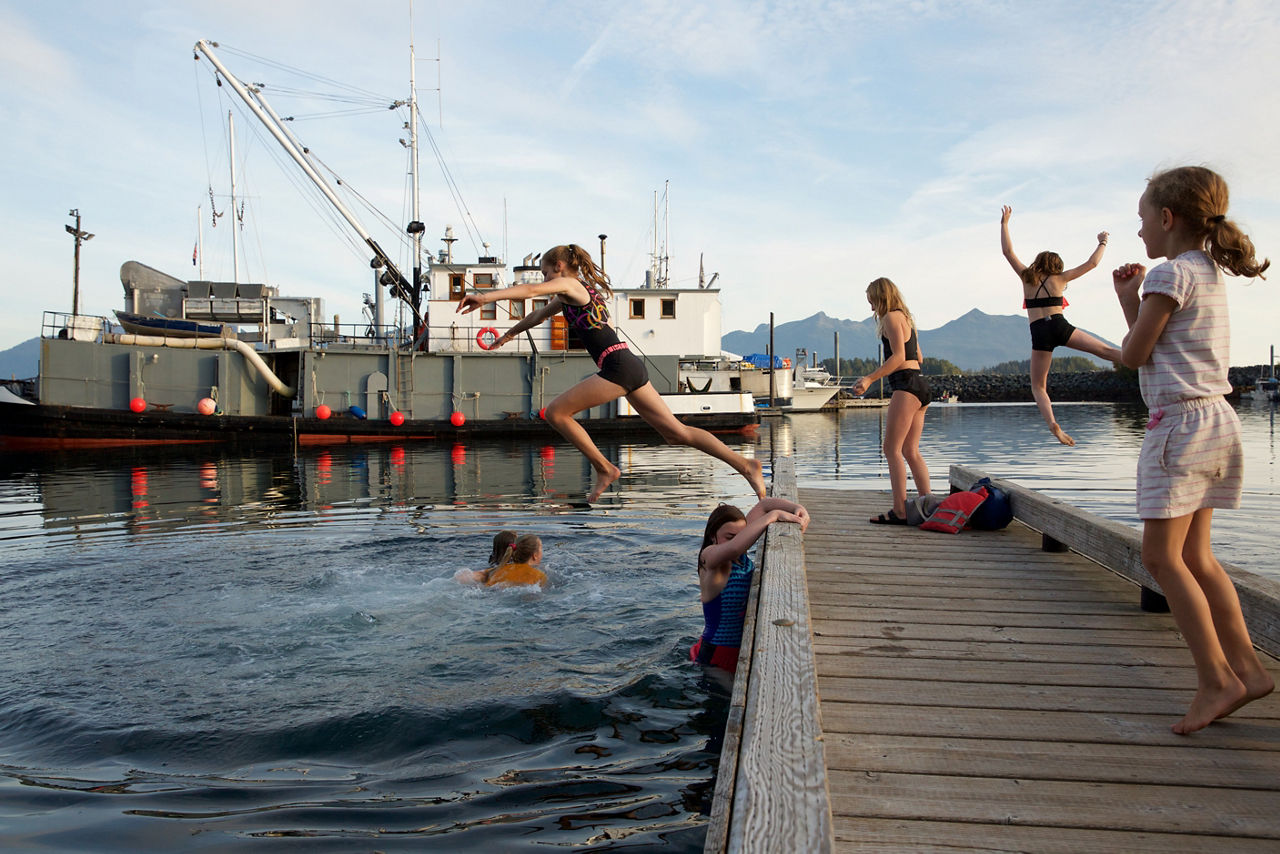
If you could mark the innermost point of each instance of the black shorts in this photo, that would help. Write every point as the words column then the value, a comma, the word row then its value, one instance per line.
column 911, row 380
column 624, row 368
column 1049, row 332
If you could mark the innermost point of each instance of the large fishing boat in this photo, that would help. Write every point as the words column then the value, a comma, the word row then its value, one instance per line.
column 237, row 362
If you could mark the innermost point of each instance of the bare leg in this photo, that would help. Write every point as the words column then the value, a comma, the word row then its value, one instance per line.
column 1218, row 689
column 1224, row 605
column 911, row 451
column 1040, row 362
column 655, row 412
column 593, row 391
column 1086, row 343
column 900, row 418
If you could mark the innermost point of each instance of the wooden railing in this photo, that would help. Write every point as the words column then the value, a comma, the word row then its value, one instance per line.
column 1119, row 548
column 771, row 787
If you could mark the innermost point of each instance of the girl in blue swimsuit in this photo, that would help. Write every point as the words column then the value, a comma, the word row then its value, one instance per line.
column 1042, row 286
column 580, row 289
column 724, row 574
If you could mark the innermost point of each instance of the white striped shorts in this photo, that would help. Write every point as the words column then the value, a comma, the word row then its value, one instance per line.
column 1191, row 459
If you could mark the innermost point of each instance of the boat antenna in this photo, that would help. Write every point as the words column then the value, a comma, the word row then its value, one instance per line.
column 81, row 237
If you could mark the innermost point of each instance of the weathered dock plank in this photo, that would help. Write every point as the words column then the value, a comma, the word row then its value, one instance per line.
column 978, row 693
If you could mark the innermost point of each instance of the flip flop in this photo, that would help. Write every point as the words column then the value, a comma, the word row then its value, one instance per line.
column 890, row 518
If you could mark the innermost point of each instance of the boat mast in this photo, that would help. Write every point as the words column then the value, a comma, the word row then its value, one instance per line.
column 235, row 232
column 416, row 228
column 81, row 237
column 400, row 287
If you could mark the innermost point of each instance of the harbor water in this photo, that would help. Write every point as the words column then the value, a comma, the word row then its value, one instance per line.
column 210, row 653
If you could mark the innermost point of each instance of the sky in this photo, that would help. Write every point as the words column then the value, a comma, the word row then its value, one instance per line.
column 801, row 148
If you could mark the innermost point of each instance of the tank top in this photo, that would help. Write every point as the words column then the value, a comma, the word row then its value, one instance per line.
column 723, row 615
column 911, row 351
column 592, row 323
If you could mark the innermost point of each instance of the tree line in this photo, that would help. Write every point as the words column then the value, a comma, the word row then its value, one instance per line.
column 941, row 367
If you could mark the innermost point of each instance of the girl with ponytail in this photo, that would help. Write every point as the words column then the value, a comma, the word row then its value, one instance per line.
column 1191, row 461
column 579, row 289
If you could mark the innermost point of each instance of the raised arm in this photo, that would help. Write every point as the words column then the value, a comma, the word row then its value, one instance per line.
column 1006, row 242
column 530, row 320
column 1094, row 260
column 559, row 286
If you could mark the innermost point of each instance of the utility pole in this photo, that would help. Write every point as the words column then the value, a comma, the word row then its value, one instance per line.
column 81, row 237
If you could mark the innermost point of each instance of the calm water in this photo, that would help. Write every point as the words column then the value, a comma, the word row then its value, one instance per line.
column 209, row 653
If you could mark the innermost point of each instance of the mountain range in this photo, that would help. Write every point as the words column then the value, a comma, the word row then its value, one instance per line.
column 970, row 342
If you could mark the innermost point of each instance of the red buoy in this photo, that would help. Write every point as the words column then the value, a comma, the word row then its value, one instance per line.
column 137, row 404
column 396, row 419
column 323, row 412
column 206, row 406
column 457, row 419
column 542, row 413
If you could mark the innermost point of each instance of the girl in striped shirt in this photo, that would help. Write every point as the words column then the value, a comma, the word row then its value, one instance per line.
column 1191, row 460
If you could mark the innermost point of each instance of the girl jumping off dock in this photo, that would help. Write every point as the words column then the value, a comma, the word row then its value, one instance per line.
column 1191, row 460
column 580, row 289
column 724, row 574
column 1042, row 286
column 904, row 420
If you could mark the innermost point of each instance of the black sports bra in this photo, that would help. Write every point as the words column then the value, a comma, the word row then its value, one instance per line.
column 1044, row 302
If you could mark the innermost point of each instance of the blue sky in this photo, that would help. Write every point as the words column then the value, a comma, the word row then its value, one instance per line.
column 810, row 146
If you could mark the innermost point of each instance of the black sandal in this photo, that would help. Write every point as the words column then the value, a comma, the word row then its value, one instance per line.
column 890, row 518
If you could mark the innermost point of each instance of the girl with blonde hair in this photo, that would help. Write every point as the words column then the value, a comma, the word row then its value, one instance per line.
column 1191, row 461
column 904, row 419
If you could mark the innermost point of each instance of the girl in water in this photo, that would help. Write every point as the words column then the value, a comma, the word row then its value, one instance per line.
column 1042, row 286
column 580, row 289
column 904, row 421
column 1191, row 460
column 724, row 574
column 517, row 566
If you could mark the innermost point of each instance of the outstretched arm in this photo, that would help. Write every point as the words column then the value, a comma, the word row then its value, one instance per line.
column 554, row 306
column 791, row 507
column 718, row 554
column 1094, row 260
column 1006, row 242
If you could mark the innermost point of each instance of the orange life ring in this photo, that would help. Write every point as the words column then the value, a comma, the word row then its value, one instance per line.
column 480, row 337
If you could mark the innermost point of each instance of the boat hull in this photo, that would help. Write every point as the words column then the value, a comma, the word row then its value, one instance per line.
column 34, row 427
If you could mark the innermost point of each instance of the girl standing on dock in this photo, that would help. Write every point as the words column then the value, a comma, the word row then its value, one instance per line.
column 724, row 574
column 580, row 289
column 904, row 420
column 1191, row 460
column 1043, row 284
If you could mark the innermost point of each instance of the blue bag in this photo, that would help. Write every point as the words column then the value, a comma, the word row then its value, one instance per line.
column 994, row 513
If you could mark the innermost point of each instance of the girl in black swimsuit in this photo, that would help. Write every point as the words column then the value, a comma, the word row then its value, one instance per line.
column 904, row 421
column 1042, row 286
column 579, row 289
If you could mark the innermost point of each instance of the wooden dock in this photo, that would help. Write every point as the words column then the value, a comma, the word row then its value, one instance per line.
column 976, row 692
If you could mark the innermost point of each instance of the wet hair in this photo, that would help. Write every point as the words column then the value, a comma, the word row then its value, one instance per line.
column 579, row 263
column 501, row 542
column 885, row 297
column 522, row 550
column 719, row 517
column 1199, row 196
column 1046, row 264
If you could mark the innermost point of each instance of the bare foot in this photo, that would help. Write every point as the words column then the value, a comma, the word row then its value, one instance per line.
column 603, row 479
column 1210, row 704
column 755, row 476
column 1062, row 435
column 1256, row 685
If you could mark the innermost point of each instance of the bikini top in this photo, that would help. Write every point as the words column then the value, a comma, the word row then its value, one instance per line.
column 910, row 351
column 1046, row 301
